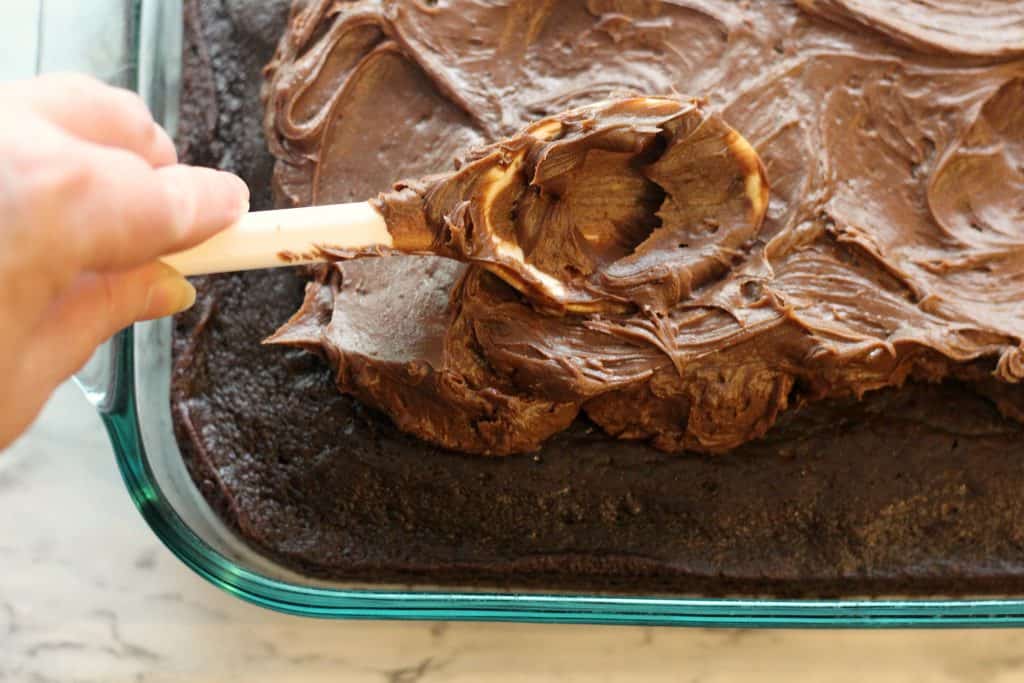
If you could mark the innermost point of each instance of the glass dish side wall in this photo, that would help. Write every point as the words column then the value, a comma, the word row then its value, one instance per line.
column 128, row 381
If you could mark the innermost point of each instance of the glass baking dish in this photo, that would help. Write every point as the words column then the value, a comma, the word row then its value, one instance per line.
column 136, row 43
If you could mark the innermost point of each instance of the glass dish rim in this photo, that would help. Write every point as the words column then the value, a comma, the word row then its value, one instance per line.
column 112, row 388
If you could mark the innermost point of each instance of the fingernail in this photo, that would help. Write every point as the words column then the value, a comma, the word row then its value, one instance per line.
column 170, row 293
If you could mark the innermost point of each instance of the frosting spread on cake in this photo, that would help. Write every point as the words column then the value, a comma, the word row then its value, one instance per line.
column 892, row 247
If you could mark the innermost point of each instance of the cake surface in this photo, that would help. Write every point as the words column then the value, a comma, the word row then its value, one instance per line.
column 910, row 491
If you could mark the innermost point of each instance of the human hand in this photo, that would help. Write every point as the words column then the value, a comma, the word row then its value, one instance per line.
column 90, row 196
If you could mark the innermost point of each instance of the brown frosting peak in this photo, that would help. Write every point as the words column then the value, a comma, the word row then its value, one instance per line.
column 892, row 247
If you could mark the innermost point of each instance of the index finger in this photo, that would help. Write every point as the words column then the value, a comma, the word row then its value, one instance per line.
column 121, row 213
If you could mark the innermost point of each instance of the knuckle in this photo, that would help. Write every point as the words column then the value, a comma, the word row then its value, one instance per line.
column 38, row 190
column 134, row 112
column 138, row 129
column 134, row 104
column 51, row 188
column 51, row 179
column 42, row 168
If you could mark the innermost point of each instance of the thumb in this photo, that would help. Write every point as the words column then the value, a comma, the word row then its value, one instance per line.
column 96, row 306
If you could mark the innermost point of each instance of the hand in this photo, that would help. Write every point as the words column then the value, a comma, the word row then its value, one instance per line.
column 90, row 196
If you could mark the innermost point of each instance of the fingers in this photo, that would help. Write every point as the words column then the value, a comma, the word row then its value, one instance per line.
column 90, row 195
column 95, row 112
column 204, row 201
column 96, row 306
column 83, row 184
column 119, row 213
column 70, row 206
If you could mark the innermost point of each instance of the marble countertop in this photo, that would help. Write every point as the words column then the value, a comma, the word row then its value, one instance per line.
column 88, row 593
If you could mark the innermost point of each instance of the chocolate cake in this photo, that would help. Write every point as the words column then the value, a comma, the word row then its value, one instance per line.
column 864, row 425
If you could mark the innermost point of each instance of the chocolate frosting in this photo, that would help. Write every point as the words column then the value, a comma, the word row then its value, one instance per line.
column 892, row 246
column 625, row 203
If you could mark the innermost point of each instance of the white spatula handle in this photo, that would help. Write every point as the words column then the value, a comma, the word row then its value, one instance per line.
column 267, row 239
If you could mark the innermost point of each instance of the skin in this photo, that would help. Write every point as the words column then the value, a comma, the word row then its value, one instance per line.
column 91, row 195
